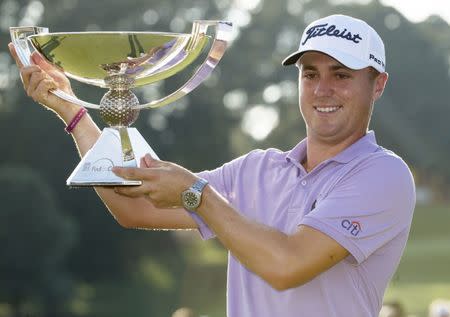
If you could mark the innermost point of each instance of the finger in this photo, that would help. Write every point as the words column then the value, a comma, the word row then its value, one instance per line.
column 126, row 191
column 33, row 81
column 148, row 159
column 133, row 173
column 26, row 72
column 135, row 191
column 142, row 163
column 152, row 162
column 12, row 51
column 43, row 89
column 38, row 59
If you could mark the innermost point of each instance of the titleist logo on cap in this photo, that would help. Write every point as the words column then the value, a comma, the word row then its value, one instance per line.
column 322, row 30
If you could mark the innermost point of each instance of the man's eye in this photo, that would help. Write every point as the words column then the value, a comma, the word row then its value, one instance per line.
column 309, row 75
column 342, row 76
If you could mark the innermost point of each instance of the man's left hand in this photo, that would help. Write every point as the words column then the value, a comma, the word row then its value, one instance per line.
column 162, row 182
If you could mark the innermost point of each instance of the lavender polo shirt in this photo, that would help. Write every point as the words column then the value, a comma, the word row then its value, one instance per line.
column 363, row 198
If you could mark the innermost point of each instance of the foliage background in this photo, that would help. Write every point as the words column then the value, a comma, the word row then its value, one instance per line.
column 62, row 253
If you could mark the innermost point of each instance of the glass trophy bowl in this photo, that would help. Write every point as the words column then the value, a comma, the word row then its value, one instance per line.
column 120, row 61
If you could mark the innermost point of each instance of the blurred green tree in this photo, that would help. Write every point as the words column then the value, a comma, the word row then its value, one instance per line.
column 36, row 236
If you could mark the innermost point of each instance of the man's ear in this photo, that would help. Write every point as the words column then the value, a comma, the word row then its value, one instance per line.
column 380, row 84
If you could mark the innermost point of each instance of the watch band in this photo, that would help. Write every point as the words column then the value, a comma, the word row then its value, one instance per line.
column 199, row 185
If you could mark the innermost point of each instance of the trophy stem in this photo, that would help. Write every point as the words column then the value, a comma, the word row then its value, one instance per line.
column 127, row 150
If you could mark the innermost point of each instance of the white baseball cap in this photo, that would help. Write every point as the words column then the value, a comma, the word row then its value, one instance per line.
column 350, row 41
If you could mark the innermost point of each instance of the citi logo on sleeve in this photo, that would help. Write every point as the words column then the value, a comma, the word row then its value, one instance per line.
column 354, row 227
column 324, row 29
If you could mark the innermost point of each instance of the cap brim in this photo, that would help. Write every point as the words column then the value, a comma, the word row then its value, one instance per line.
column 291, row 59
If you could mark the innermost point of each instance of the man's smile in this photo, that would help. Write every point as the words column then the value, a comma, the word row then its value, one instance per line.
column 327, row 109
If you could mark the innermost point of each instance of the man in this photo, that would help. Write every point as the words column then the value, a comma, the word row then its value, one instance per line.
column 316, row 231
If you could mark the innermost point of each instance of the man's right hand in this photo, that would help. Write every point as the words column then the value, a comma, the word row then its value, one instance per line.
column 42, row 77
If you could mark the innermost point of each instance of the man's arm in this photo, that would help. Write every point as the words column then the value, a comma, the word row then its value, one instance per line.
column 284, row 261
column 129, row 212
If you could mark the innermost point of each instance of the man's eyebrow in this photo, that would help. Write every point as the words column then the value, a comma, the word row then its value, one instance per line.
column 339, row 67
column 308, row 67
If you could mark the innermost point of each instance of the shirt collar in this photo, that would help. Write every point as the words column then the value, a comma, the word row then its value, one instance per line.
column 366, row 144
column 298, row 153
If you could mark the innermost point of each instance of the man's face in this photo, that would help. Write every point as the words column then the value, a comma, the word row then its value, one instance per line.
column 335, row 101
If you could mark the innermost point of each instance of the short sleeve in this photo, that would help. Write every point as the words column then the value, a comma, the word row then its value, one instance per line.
column 368, row 207
column 222, row 180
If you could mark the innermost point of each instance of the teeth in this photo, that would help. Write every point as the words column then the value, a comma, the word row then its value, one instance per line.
column 327, row 109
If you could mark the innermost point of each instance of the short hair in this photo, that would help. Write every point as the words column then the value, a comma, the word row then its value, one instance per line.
column 373, row 73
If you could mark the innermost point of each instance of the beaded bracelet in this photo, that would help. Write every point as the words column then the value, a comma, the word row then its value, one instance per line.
column 69, row 128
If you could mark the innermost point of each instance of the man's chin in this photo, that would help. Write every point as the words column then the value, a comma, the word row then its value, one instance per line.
column 326, row 132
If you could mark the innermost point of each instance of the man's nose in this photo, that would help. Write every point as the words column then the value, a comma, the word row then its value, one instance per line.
column 324, row 87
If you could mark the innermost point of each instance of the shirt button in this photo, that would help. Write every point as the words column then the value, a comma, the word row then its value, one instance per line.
column 304, row 183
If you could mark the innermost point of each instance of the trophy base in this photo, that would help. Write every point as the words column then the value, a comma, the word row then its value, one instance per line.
column 95, row 168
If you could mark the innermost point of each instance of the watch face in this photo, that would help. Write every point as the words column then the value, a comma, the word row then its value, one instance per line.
column 190, row 199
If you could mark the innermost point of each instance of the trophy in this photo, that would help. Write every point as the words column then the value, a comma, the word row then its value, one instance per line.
column 121, row 61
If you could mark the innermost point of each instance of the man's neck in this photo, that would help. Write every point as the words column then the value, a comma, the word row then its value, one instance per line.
column 318, row 151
